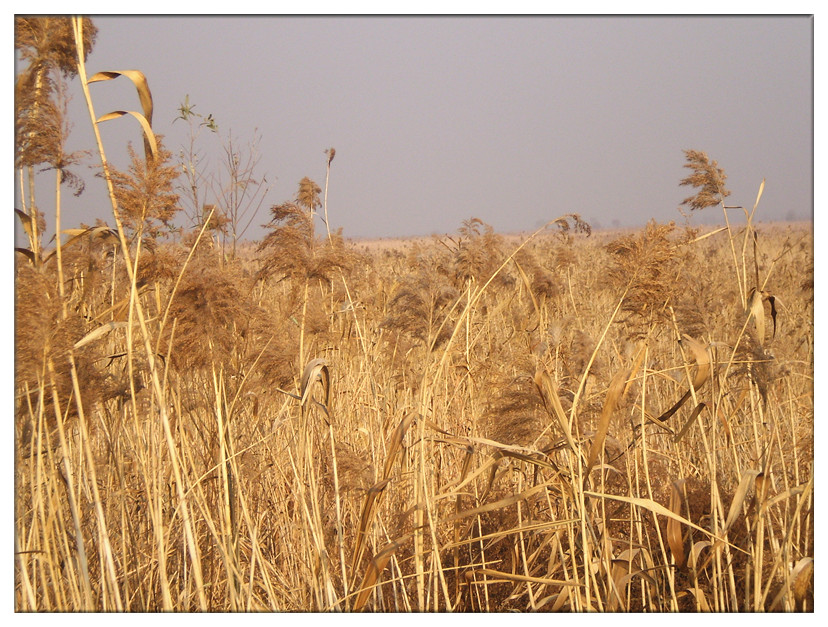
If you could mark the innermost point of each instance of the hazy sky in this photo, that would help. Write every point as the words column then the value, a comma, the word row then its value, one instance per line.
column 514, row 120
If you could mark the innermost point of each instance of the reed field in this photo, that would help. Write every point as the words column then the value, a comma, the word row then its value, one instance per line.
column 567, row 420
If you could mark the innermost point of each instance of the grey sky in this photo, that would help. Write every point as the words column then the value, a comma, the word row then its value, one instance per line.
column 514, row 120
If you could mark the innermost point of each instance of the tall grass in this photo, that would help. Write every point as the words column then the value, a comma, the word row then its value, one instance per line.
column 572, row 421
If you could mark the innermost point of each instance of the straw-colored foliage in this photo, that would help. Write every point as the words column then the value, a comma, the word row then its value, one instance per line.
column 566, row 421
column 510, row 455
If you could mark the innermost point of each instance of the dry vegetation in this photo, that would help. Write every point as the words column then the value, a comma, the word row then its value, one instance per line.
column 573, row 421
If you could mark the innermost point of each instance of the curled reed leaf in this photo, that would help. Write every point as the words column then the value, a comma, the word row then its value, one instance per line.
column 375, row 568
column 802, row 576
column 98, row 333
column 701, row 356
column 614, row 394
column 701, row 599
column 316, row 370
column 144, row 96
column 140, row 82
column 651, row 505
column 549, row 393
column 150, row 143
column 675, row 538
column 748, row 479
column 374, row 495
column 756, row 311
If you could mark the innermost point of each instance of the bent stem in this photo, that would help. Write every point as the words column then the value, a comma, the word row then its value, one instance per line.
column 134, row 302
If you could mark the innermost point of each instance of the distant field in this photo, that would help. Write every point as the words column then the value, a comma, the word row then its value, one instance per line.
column 383, row 243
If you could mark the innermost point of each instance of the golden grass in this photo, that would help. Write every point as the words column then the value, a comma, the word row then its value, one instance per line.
column 471, row 422
column 515, row 464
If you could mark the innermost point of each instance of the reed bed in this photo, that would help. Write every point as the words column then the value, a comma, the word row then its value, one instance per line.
column 455, row 443
column 570, row 421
